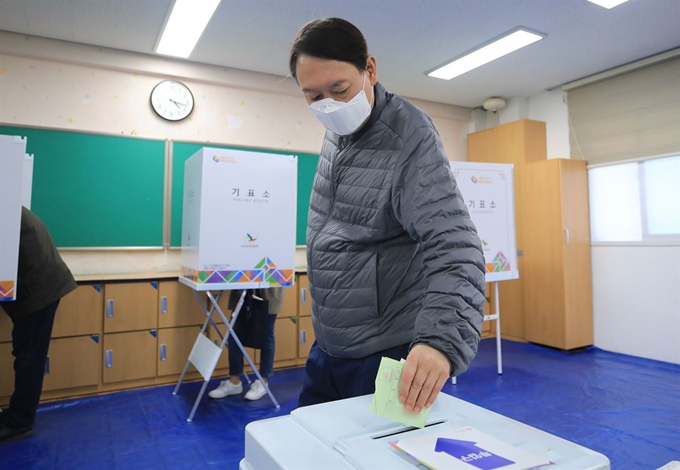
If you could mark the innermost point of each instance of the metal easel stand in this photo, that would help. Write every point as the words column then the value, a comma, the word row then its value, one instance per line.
column 205, row 354
column 497, row 317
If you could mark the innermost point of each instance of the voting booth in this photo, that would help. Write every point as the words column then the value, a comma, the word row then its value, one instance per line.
column 343, row 435
column 238, row 232
column 238, row 219
column 488, row 190
column 12, row 158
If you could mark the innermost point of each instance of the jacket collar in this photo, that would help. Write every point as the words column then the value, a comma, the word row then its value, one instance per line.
column 382, row 96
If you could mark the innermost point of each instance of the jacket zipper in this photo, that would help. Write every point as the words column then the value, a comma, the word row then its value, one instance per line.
column 330, row 212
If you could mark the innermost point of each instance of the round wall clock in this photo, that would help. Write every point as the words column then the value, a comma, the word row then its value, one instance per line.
column 172, row 100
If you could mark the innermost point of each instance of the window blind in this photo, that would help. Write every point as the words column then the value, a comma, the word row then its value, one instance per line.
column 626, row 117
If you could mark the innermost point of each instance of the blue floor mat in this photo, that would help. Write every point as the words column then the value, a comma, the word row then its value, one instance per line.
column 624, row 407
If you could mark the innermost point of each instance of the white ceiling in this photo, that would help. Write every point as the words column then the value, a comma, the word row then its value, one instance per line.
column 408, row 37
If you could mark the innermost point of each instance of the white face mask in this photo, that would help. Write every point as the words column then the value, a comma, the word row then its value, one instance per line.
column 343, row 118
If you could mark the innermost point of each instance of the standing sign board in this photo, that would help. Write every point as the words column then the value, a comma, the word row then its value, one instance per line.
column 488, row 191
column 489, row 195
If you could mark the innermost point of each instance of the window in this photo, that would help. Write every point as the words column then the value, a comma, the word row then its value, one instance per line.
column 636, row 201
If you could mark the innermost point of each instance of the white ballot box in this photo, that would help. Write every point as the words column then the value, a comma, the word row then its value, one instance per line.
column 345, row 435
column 238, row 219
column 12, row 154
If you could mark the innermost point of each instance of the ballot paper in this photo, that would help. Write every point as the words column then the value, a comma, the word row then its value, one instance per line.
column 386, row 398
column 466, row 448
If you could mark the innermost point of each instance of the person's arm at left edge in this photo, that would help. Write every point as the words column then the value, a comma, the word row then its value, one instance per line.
column 431, row 209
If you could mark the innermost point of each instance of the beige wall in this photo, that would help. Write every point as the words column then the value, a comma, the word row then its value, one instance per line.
column 54, row 84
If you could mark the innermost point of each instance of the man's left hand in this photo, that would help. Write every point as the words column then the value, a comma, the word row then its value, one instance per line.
column 424, row 374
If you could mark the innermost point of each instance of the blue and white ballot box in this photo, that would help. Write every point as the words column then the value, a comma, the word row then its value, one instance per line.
column 238, row 219
column 344, row 435
column 12, row 155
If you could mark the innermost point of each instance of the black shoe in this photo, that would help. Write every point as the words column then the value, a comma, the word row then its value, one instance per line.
column 9, row 433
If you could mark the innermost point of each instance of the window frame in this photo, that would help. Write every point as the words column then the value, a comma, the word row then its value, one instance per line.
column 647, row 238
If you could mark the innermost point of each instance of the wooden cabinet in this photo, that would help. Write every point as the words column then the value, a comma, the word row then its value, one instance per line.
column 6, row 326
column 304, row 299
column 305, row 336
column 80, row 312
column 286, row 339
column 558, row 279
column 129, row 356
column 178, row 305
column 73, row 362
column 290, row 302
column 130, row 306
column 551, row 302
column 174, row 346
column 143, row 338
column 488, row 310
column 6, row 370
column 517, row 143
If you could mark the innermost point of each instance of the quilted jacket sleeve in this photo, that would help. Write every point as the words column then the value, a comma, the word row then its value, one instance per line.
column 428, row 204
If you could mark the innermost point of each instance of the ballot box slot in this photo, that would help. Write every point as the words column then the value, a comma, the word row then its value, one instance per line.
column 409, row 429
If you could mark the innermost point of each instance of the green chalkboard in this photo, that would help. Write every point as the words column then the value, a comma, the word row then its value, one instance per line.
column 181, row 151
column 97, row 190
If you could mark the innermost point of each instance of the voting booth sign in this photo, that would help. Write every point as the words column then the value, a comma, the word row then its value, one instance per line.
column 238, row 219
column 488, row 191
column 12, row 155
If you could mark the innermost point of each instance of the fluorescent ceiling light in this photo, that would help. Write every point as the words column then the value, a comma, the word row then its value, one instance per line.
column 486, row 54
column 608, row 4
column 185, row 26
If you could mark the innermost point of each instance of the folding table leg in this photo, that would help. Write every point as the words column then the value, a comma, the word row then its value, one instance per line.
column 207, row 321
column 230, row 331
column 499, row 354
column 198, row 400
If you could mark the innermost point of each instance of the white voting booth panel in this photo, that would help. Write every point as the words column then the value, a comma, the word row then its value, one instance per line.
column 12, row 154
column 238, row 219
column 238, row 232
column 27, row 185
column 344, row 435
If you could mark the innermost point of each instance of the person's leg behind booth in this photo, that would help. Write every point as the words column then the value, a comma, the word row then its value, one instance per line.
column 232, row 385
column 266, row 368
column 30, row 343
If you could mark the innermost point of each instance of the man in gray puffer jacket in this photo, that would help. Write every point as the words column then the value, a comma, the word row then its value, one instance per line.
column 395, row 265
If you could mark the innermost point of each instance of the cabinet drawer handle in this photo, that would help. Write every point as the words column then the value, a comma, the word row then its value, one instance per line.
column 303, row 337
column 164, row 304
column 303, row 295
column 109, row 358
column 109, row 308
column 566, row 235
column 47, row 366
column 164, row 352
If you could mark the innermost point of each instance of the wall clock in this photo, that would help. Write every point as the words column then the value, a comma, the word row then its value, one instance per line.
column 172, row 100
